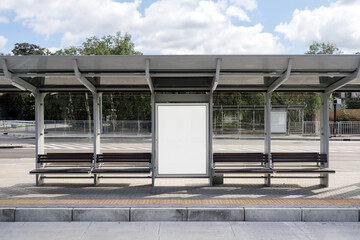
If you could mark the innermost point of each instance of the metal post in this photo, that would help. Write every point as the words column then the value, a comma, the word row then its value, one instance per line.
column 335, row 125
column 101, row 114
column 324, row 134
column 267, row 137
column 153, row 153
column 222, row 120
column 96, row 118
column 253, row 120
column 211, row 138
column 238, row 121
column 39, row 131
column 302, row 122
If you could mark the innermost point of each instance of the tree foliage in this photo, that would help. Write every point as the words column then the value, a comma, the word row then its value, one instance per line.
column 106, row 45
column 323, row 48
column 23, row 49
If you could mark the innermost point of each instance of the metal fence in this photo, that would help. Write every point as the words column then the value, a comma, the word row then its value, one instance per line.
column 140, row 128
column 78, row 127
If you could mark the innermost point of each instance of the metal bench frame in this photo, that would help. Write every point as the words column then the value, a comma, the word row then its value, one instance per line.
column 60, row 164
column 313, row 163
column 235, row 164
column 123, row 164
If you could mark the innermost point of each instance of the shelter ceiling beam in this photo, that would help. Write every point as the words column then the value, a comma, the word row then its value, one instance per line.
column 16, row 81
column 147, row 75
column 342, row 82
column 82, row 79
column 281, row 79
column 217, row 75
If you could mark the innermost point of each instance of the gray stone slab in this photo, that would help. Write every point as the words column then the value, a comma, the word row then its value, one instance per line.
column 330, row 214
column 122, row 231
column 215, row 214
column 273, row 214
column 43, row 230
column 196, row 230
column 101, row 214
column 7, row 214
column 158, row 214
column 43, row 214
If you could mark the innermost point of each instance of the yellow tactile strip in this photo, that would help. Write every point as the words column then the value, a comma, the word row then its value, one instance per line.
column 179, row 201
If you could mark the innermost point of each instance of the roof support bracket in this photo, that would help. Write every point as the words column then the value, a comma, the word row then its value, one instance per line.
column 217, row 75
column 281, row 79
column 342, row 82
column 16, row 81
column 82, row 79
column 147, row 75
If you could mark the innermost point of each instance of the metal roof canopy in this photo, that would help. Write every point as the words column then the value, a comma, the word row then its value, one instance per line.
column 265, row 73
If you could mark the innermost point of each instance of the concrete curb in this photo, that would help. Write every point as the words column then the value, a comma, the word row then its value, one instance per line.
column 179, row 214
column 273, row 214
column 330, row 214
column 216, row 214
column 158, row 214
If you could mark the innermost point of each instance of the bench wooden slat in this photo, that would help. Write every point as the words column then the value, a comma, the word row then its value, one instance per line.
column 304, row 170
column 244, row 170
column 120, row 170
column 66, row 158
column 240, row 157
column 61, row 170
column 298, row 157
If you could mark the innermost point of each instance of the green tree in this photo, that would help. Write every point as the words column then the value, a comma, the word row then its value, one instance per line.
column 22, row 49
column 323, row 48
column 106, row 45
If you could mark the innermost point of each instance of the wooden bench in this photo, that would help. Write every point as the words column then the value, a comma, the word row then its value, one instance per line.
column 241, row 163
column 62, row 164
column 125, row 164
column 301, row 163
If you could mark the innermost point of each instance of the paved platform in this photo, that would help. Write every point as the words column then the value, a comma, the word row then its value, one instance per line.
column 179, row 230
column 17, row 187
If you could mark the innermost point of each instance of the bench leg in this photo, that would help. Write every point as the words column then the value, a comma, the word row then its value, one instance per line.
column 39, row 179
column 218, row 179
column 96, row 180
column 267, row 180
column 324, row 180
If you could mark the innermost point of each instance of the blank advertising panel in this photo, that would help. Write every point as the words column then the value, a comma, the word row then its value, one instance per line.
column 278, row 122
column 182, row 139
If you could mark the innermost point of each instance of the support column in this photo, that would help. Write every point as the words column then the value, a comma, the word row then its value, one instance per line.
column 96, row 122
column 267, row 135
column 101, row 114
column 39, row 131
column 324, row 134
column 153, row 157
column 212, row 177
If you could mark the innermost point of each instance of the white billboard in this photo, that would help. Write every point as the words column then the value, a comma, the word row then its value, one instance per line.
column 278, row 121
column 182, row 139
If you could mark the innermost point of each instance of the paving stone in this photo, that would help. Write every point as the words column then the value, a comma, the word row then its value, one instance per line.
column 43, row 214
column 215, row 214
column 101, row 214
column 7, row 214
column 158, row 214
column 273, row 214
column 330, row 214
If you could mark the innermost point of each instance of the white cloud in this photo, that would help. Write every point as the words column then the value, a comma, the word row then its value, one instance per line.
column 3, row 41
column 53, row 49
column 247, row 4
column 238, row 13
column 166, row 26
column 4, row 20
column 337, row 23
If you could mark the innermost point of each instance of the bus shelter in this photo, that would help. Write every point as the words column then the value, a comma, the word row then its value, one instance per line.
column 182, row 88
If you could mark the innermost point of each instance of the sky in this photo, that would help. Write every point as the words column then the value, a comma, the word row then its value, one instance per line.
column 185, row 26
